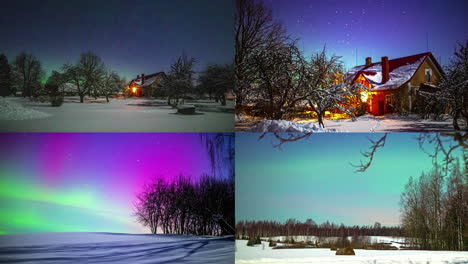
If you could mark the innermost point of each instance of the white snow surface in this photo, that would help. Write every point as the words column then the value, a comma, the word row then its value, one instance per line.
column 119, row 115
column 114, row 248
column 366, row 123
column 263, row 254
column 286, row 126
column 10, row 110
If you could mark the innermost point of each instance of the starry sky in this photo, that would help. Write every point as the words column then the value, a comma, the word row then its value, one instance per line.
column 73, row 182
column 313, row 178
column 132, row 37
column 375, row 28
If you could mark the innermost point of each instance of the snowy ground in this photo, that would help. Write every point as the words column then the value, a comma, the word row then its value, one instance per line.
column 120, row 115
column 367, row 123
column 114, row 248
column 263, row 254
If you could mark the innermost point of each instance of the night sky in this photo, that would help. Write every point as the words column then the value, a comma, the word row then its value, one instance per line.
column 72, row 182
column 132, row 37
column 375, row 28
column 313, row 178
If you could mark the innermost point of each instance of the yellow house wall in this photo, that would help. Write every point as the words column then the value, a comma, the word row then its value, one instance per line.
column 420, row 75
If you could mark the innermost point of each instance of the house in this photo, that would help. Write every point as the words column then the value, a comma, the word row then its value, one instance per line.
column 394, row 84
column 144, row 85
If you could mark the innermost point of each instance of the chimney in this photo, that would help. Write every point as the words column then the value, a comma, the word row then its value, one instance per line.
column 142, row 78
column 385, row 69
column 368, row 61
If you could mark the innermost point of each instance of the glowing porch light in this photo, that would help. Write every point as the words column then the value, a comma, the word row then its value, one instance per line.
column 134, row 89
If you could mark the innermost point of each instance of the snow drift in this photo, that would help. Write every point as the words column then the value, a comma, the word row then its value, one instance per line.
column 287, row 126
column 14, row 111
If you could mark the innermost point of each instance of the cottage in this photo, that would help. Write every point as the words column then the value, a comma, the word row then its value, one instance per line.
column 394, row 84
column 144, row 85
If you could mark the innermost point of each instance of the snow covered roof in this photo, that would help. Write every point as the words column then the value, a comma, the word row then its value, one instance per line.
column 401, row 70
column 148, row 79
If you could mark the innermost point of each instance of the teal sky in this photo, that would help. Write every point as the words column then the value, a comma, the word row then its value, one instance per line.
column 313, row 178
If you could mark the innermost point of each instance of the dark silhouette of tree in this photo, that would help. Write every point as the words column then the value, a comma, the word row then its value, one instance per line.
column 180, row 79
column 187, row 206
column 86, row 74
column 453, row 90
column 28, row 73
column 5, row 77
column 255, row 31
column 293, row 227
column 217, row 80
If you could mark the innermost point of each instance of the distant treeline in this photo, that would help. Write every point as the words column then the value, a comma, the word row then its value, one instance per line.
column 203, row 206
column 293, row 227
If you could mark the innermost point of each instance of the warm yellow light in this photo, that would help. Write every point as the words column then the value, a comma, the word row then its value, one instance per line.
column 134, row 89
column 364, row 96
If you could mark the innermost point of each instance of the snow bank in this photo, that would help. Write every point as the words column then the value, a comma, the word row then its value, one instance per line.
column 114, row 248
column 14, row 111
column 287, row 126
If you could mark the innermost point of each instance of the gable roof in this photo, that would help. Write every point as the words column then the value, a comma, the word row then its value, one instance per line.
column 148, row 79
column 401, row 70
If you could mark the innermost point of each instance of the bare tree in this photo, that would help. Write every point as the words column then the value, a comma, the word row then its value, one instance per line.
column 255, row 30
column 328, row 88
column 86, row 74
column 453, row 90
column 5, row 76
column 217, row 80
column 109, row 84
column 28, row 70
column 180, row 79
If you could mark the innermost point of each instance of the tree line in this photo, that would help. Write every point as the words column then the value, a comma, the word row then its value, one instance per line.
column 435, row 209
column 90, row 76
column 215, row 81
column 293, row 227
column 203, row 206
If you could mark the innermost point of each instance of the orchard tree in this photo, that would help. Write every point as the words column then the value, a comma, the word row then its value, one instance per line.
column 5, row 76
column 255, row 30
column 327, row 89
column 110, row 84
column 453, row 91
column 180, row 78
column 86, row 74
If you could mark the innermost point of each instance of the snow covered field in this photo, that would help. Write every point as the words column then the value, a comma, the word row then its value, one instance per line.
column 114, row 248
column 120, row 115
column 367, row 123
column 263, row 254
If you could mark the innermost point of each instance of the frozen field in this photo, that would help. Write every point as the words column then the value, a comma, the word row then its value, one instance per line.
column 114, row 248
column 120, row 115
column 367, row 123
column 263, row 254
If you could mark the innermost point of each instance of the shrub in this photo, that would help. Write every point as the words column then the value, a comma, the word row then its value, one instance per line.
column 272, row 244
column 254, row 241
column 56, row 101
